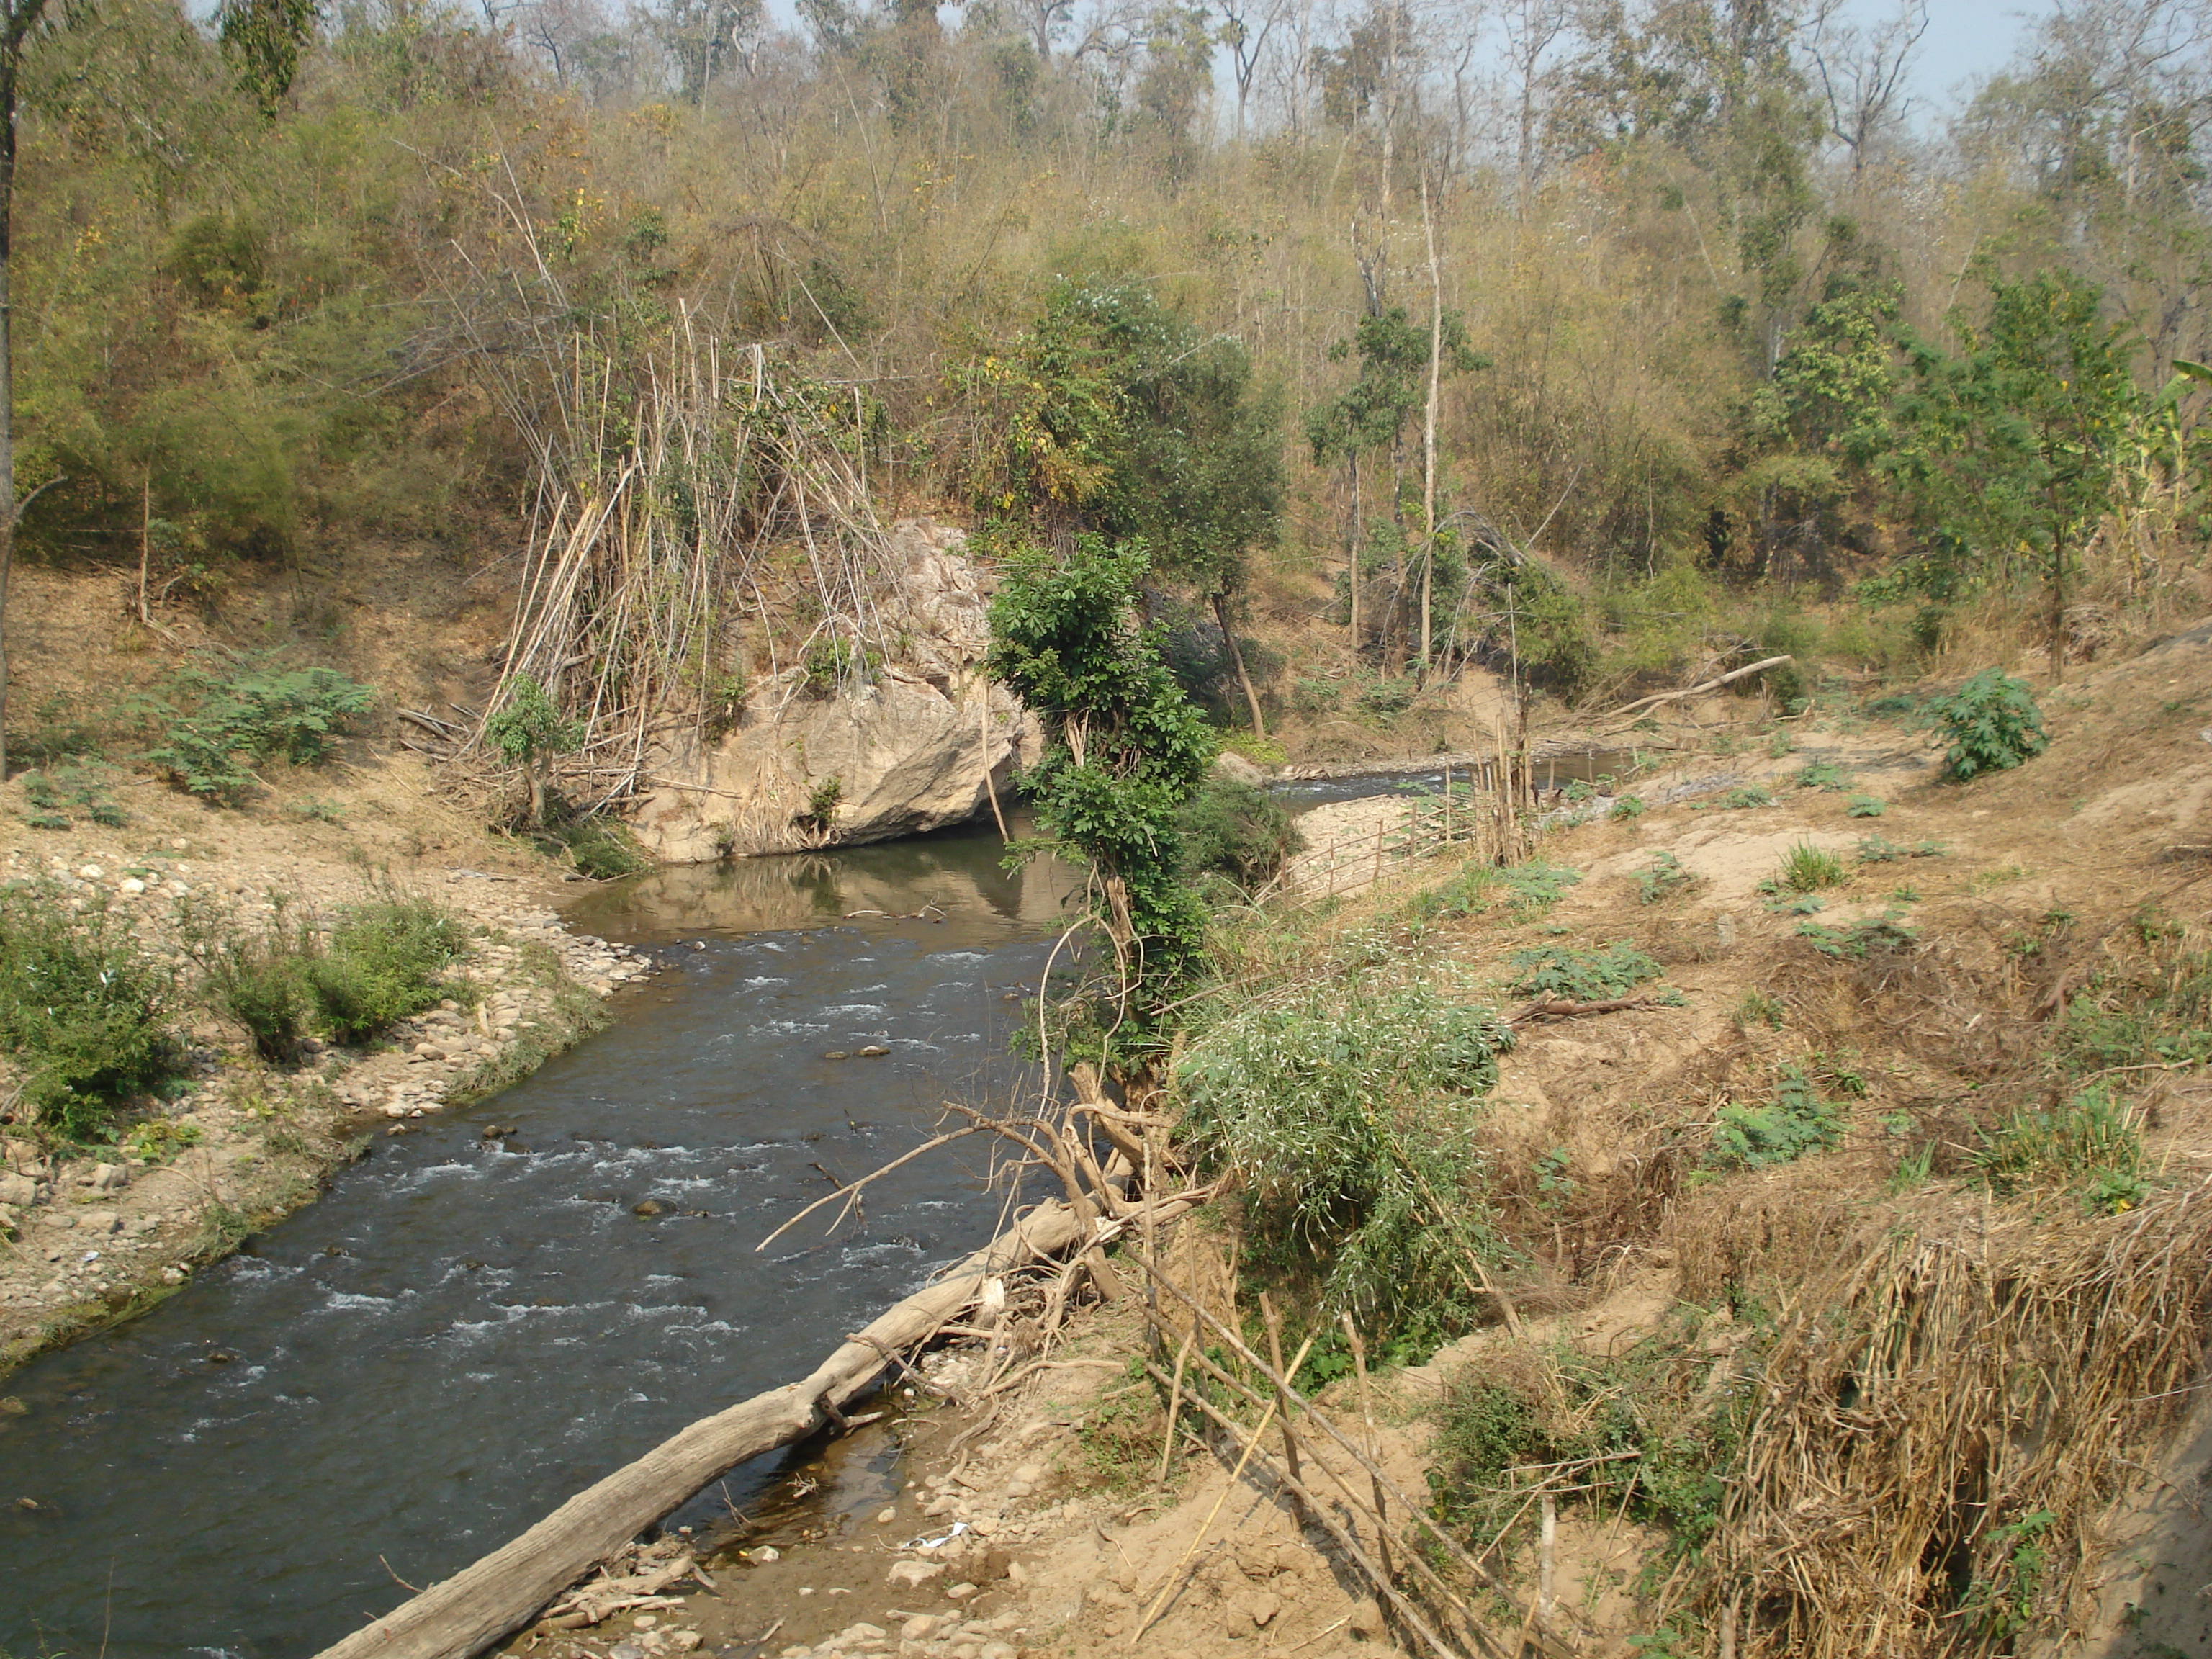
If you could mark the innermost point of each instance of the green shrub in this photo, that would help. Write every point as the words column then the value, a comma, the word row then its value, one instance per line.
column 259, row 980
column 1664, row 879
column 85, row 1012
column 599, row 848
column 1556, row 972
column 1386, row 698
column 1875, row 936
column 1740, row 799
column 212, row 729
column 1345, row 1118
column 1881, row 849
column 2091, row 1145
column 1627, row 809
column 75, row 786
column 1237, row 830
column 1796, row 1122
column 386, row 959
column 1824, row 775
column 1808, row 869
column 1992, row 723
column 57, row 732
column 1866, row 806
column 820, row 811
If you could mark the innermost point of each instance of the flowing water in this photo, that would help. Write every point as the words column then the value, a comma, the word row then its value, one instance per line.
column 464, row 1331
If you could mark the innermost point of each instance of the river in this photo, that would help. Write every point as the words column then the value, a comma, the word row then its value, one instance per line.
column 463, row 1332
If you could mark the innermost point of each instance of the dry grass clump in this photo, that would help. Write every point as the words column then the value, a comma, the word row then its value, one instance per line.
column 1939, row 1424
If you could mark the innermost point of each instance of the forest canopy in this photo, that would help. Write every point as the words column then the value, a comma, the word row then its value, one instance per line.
column 1605, row 327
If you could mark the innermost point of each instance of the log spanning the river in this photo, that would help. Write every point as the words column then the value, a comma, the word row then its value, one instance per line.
column 482, row 1603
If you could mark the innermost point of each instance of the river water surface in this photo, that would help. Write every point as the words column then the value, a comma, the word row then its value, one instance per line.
column 462, row 1332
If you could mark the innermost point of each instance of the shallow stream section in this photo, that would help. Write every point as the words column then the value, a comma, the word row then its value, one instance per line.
column 469, row 1329
column 472, row 1326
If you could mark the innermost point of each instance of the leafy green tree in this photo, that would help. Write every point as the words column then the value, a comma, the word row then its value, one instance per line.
column 530, row 729
column 1131, row 424
column 262, row 38
column 2010, row 450
column 1124, row 750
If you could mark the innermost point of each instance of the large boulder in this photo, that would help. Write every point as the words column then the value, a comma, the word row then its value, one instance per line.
column 914, row 751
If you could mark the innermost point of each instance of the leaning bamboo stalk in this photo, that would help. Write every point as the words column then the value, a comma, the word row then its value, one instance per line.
column 1238, row 1347
column 1347, row 1540
column 496, row 1596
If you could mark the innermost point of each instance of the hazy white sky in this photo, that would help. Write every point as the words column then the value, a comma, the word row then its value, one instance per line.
column 1966, row 40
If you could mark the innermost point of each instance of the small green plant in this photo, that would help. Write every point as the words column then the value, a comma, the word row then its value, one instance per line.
column 819, row 815
column 829, row 661
column 158, row 1139
column 1824, row 775
column 260, row 980
column 1665, row 879
column 1992, row 723
column 1865, row 807
column 1883, row 935
column 529, row 729
column 1553, row 972
column 385, row 960
column 1758, row 1008
column 86, row 1013
column 1627, row 809
column 1881, row 849
column 1579, row 790
column 2091, row 1145
column 1796, row 1121
column 1386, row 698
column 1781, row 743
column 74, row 786
column 1554, row 1185
column 1535, row 887
column 1742, row 797
column 315, row 810
column 1913, row 1170
column 2003, row 1605
column 214, row 727
column 1808, row 869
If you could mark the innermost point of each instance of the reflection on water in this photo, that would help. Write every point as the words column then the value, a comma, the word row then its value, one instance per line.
column 464, row 1331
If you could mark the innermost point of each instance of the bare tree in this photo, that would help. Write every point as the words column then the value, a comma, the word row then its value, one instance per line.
column 1245, row 27
column 1862, row 72
column 1532, row 28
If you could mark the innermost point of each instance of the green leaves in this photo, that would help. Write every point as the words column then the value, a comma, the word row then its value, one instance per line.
column 1993, row 724
column 1124, row 750
column 214, row 728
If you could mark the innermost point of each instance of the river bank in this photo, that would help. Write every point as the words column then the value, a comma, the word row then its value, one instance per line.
column 91, row 1236
column 1915, row 994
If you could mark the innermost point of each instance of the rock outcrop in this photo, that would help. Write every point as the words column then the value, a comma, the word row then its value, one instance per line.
column 914, row 751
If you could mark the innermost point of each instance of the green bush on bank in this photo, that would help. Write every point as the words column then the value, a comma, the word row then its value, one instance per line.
column 383, row 960
column 85, row 1014
column 1237, row 830
column 1347, row 1118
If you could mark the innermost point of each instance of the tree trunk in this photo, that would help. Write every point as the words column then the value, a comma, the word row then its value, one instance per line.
column 1236, row 656
column 1357, row 526
column 20, row 17
column 1429, row 423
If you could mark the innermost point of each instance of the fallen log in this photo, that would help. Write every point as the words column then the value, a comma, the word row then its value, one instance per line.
column 1555, row 1010
column 498, row 1594
column 1698, row 691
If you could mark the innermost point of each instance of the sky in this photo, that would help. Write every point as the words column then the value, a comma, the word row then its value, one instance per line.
column 1966, row 40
